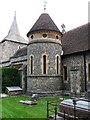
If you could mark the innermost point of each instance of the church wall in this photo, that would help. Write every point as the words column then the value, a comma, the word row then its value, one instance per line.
column 37, row 50
column 87, row 63
column 8, row 49
column 75, row 61
column 51, row 36
column 0, row 53
column 44, row 82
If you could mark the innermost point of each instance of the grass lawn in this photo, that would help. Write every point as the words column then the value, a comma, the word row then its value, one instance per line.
column 11, row 108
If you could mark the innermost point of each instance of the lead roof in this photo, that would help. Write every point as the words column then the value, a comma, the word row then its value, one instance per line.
column 13, row 34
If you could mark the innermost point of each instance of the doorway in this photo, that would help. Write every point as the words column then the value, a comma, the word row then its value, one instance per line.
column 75, row 80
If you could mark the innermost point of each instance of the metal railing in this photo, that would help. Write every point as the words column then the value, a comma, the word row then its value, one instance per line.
column 52, row 108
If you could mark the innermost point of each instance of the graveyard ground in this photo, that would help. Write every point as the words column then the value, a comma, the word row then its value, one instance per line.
column 11, row 108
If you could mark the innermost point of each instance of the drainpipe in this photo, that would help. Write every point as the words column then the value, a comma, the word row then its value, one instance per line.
column 84, row 57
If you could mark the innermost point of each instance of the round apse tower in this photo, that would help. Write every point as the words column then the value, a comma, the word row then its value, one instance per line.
column 44, row 57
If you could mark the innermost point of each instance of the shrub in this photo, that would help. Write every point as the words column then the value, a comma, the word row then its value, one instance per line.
column 10, row 77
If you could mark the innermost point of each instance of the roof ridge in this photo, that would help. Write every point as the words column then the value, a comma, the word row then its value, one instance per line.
column 76, row 28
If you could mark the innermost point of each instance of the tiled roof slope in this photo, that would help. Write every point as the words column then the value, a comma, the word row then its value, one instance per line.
column 20, row 52
column 44, row 22
column 76, row 40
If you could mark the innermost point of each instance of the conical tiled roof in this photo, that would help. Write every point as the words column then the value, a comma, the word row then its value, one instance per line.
column 44, row 22
column 14, row 34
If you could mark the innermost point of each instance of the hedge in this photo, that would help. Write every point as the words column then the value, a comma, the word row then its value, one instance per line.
column 10, row 77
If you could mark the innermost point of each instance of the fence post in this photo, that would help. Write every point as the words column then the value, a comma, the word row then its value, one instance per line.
column 55, row 112
column 74, row 103
column 47, row 109
column 64, row 115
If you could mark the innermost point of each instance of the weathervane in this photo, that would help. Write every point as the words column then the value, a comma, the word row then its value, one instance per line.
column 45, row 2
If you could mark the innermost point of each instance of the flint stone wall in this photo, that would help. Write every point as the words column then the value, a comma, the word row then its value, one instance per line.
column 76, row 60
column 37, row 81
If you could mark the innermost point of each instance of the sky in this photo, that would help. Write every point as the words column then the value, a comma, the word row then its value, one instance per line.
column 72, row 13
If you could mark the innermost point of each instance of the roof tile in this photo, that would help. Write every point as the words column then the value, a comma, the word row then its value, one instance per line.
column 76, row 40
column 44, row 22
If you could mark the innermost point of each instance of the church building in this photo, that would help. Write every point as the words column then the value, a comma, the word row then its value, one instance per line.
column 51, row 61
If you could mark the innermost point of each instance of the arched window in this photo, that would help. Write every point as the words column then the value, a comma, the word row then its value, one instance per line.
column 44, row 64
column 57, row 61
column 89, row 72
column 31, row 60
column 57, row 65
column 65, row 72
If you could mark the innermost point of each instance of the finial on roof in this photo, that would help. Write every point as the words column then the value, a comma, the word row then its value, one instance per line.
column 63, row 28
column 45, row 2
column 14, row 13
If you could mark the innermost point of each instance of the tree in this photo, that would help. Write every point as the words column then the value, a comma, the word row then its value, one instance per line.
column 10, row 77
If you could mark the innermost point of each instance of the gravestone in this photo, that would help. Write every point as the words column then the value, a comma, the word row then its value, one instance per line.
column 14, row 90
column 28, row 102
column 82, row 109
column 35, row 97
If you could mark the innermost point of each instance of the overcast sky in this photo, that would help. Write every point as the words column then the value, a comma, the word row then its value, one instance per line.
column 72, row 13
